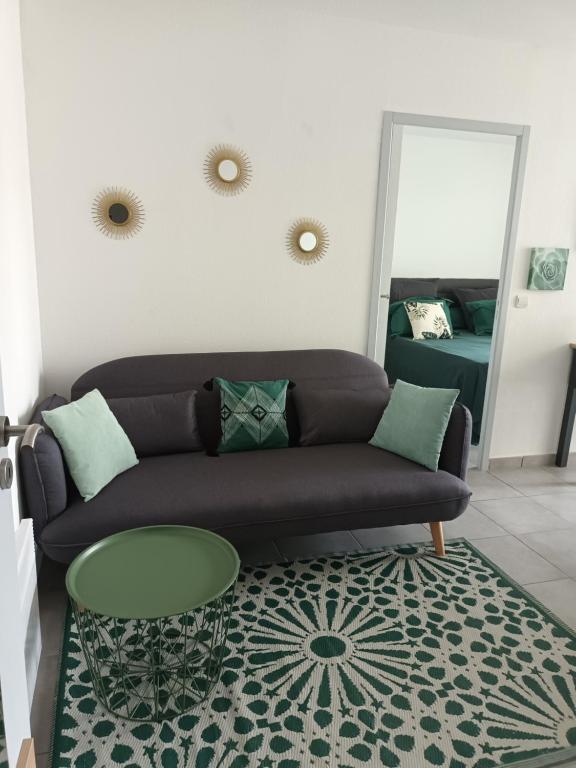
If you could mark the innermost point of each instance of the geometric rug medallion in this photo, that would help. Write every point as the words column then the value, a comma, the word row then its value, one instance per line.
column 389, row 658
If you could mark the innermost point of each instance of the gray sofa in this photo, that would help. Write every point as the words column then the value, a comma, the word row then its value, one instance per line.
column 255, row 495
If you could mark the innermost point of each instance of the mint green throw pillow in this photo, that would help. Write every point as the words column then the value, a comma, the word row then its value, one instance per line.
column 252, row 415
column 414, row 423
column 95, row 446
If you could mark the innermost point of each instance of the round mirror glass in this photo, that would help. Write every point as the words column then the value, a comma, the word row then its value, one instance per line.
column 228, row 170
column 307, row 241
column 118, row 213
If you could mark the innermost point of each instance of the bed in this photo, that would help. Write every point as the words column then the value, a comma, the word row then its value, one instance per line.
column 459, row 363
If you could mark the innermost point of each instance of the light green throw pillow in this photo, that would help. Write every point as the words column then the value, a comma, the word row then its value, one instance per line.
column 95, row 446
column 414, row 423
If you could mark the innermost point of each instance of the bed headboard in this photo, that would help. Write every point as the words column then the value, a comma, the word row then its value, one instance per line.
column 403, row 287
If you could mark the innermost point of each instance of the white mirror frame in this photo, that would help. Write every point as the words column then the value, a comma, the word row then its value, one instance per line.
column 388, row 181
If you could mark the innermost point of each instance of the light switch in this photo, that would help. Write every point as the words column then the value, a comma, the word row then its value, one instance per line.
column 520, row 301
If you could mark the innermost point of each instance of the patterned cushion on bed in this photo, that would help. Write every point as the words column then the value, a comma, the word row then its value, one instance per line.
column 398, row 322
column 428, row 320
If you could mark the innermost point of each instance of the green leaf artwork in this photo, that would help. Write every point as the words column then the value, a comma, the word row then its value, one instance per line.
column 548, row 269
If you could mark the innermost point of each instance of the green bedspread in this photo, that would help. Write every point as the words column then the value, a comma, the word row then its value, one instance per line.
column 458, row 363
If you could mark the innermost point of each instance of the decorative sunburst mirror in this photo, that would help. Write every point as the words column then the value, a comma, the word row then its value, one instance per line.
column 307, row 241
column 118, row 213
column 227, row 169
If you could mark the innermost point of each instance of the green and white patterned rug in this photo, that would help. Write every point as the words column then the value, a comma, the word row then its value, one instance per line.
column 391, row 658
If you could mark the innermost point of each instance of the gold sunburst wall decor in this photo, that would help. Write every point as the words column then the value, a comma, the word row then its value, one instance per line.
column 307, row 241
column 118, row 212
column 227, row 169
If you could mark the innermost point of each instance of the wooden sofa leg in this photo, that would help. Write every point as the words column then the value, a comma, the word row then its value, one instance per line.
column 438, row 538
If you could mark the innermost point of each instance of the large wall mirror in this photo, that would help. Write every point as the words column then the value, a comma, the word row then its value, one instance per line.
column 448, row 203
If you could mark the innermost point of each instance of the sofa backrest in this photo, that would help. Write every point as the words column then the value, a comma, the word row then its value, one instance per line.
column 161, row 374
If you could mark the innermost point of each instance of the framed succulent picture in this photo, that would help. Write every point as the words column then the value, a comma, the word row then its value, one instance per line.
column 547, row 269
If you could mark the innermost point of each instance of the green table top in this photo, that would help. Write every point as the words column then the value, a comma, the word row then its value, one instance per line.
column 149, row 573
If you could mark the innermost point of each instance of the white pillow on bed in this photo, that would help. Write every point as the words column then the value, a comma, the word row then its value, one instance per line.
column 428, row 320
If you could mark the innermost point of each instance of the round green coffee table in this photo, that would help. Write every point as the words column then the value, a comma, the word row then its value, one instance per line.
column 152, row 608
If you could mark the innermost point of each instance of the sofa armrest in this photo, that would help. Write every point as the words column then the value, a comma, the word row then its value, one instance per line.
column 456, row 445
column 43, row 473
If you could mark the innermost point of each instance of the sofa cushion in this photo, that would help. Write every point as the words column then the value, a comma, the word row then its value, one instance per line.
column 48, row 404
column 262, row 495
column 159, row 424
column 252, row 414
column 159, row 374
column 339, row 415
column 415, row 422
column 46, row 480
column 95, row 446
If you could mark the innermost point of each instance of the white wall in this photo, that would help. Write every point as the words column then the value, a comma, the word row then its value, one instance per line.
column 137, row 92
column 20, row 352
column 453, row 195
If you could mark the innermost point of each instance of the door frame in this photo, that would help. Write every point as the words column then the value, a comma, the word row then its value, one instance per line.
column 393, row 124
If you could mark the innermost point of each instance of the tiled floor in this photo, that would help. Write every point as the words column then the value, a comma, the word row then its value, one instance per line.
column 523, row 519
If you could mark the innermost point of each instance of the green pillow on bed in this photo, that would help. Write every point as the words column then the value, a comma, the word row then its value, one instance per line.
column 457, row 317
column 482, row 314
column 398, row 322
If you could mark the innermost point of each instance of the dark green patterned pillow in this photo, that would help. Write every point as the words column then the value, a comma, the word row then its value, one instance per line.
column 252, row 415
column 482, row 314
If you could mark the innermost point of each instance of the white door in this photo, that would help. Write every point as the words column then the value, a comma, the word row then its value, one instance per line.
column 13, row 682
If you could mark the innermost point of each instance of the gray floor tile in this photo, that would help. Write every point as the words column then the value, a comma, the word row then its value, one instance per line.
column 389, row 537
column 558, row 547
column 259, row 553
column 532, row 481
column 53, row 607
column 472, row 524
column 319, row 544
column 519, row 561
column 43, row 760
column 566, row 474
column 562, row 504
column 521, row 515
column 559, row 597
column 44, row 702
column 486, row 486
